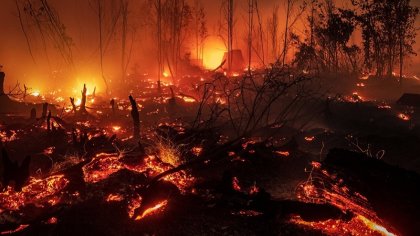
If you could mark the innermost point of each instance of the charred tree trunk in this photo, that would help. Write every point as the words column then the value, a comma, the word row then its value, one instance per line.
column 82, row 109
column 2, row 75
column 286, row 32
column 49, row 121
column 33, row 114
column 136, row 117
column 401, row 60
column 159, row 39
column 112, row 103
column 230, row 34
column 44, row 110
column 73, row 105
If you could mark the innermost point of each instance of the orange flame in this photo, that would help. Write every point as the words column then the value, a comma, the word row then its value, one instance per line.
column 283, row 153
column 235, row 184
column 403, row 116
column 152, row 210
column 309, row 138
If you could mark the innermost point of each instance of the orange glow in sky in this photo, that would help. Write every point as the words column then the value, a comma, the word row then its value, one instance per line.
column 214, row 48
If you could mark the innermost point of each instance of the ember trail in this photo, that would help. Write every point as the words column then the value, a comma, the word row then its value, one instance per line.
column 192, row 117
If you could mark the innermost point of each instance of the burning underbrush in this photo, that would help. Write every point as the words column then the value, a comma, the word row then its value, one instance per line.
column 116, row 175
column 231, row 152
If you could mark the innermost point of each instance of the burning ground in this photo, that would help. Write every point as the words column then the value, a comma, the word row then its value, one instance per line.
column 207, row 160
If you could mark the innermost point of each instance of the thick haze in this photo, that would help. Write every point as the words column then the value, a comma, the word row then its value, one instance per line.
column 81, row 24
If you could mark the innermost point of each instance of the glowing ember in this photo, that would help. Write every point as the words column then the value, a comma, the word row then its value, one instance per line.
column 52, row 220
column 384, row 106
column 356, row 97
column 38, row 191
column 197, row 151
column 102, row 166
column 116, row 128
column 249, row 213
column 18, row 229
column 283, row 153
column 8, row 136
column 358, row 225
column 152, row 210
column 114, row 198
column 309, row 138
column 235, row 184
column 133, row 205
column 254, row 189
column 49, row 150
column 403, row 116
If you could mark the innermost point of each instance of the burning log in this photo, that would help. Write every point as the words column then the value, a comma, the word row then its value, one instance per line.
column 154, row 196
column 13, row 172
column 136, row 117
column 391, row 191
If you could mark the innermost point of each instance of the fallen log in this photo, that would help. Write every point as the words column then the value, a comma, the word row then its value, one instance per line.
column 392, row 192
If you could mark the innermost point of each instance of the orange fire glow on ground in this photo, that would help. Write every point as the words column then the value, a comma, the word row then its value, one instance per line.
column 315, row 190
column 358, row 225
column 44, row 192
column 152, row 210
column 283, row 153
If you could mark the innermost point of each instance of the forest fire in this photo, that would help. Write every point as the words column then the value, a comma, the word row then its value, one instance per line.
column 226, row 117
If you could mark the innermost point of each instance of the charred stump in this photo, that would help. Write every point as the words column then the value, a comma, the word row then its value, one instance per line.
column 112, row 103
column 82, row 109
column 172, row 100
column 73, row 105
column 33, row 114
column 2, row 75
column 13, row 172
column 136, row 117
column 44, row 110
column 159, row 87
column 49, row 121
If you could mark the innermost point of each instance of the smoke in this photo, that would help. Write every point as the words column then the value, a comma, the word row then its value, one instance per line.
column 48, row 69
